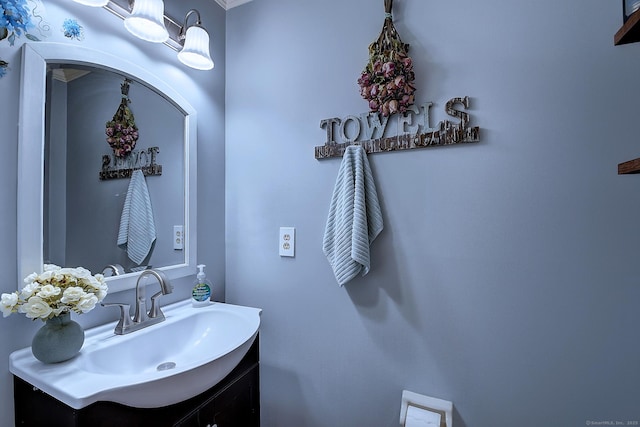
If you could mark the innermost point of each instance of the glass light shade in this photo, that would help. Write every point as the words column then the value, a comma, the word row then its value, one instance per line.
column 195, row 52
column 93, row 3
column 147, row 21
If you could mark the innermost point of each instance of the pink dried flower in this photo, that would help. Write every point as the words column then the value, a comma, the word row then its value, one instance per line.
column 383, row 81
column 385, row 109
column 388, row 69
column 364, row 80
column 393, row 106
column 377, row 67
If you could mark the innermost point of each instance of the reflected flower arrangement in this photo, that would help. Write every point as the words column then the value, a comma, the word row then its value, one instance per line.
column 122, row 132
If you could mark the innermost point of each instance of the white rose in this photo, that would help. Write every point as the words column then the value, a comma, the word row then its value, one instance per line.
column 57, row 276
column 72, row 294
column 91, row 282
column 97, row 282
column 81, row 273
column 30, row 278
column 102, row 292
column 87, row 302
column 49, row 267
column 48, row 291
column 35, row 308
column 8, row 303
column 46, row 276
column 29, row 290
column 66, row 271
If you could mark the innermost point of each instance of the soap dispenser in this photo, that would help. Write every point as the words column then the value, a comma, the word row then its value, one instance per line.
column 201, row 294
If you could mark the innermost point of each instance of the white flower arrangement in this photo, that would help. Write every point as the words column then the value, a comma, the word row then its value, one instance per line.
column 55, row 291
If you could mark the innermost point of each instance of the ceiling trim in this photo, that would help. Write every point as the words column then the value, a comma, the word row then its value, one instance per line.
column 228, row 4
column 67, row 75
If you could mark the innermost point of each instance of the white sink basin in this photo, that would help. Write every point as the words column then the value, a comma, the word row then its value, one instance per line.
column 163, row 364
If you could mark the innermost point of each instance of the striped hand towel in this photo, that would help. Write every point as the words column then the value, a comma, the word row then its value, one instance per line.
column 137, row 227
column 355, row 218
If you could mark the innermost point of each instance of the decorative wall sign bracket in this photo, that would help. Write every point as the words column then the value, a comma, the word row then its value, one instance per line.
column 447, row 136
column 446, row 133
column 114, row 167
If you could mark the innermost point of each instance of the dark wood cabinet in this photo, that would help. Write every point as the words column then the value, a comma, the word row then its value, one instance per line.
column 231, row 407
column 233, row 402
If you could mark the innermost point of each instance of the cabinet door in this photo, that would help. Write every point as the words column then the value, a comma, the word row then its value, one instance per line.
column 189, row 421
column 36, row 408
column 236, row 406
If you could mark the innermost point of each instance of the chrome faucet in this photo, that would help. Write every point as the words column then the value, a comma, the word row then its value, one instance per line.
column 116, row 270
column 142, row 319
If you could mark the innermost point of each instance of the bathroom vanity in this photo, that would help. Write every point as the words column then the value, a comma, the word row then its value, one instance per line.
column 233, row 402
column 198, row 367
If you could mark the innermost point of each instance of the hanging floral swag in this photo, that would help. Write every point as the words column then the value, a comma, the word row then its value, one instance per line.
column 122, row 132
column 387, row 80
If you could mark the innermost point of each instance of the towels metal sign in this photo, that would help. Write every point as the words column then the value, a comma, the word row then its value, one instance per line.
column 114, row 167
column 412, row 130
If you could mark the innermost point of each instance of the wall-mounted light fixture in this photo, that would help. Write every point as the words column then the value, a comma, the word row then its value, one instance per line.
column 146, row 20
column 195, row 52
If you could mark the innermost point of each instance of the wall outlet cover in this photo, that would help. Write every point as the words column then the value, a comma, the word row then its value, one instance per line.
column 178, row 237
column 287, row 241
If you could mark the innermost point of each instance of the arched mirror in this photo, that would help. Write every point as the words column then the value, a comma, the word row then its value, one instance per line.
column 73, row 185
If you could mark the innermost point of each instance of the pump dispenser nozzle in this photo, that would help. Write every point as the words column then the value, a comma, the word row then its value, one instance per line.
column 201, row 274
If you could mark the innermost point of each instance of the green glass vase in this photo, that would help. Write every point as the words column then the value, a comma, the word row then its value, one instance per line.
column 59, row 339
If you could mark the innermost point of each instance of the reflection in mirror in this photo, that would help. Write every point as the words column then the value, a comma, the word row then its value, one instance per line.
column 78, row 206
column 67, row 215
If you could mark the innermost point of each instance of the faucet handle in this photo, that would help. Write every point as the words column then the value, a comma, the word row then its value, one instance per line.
column 155, row 310
column 125, row 318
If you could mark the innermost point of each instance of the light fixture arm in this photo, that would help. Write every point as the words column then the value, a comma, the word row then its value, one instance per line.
column 183, row 29
column 123, row 8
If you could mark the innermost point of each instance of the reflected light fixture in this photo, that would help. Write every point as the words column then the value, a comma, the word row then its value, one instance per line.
column 92, row 3
column 195, row 52
column 147, row 21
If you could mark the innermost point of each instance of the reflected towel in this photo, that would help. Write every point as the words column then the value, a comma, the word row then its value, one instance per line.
column 355, row 218
column 137, row 228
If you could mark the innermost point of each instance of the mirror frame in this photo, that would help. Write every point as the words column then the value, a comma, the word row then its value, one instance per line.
column 31, row 140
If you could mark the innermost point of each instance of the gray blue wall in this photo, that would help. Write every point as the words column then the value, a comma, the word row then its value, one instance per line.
column 507, row 276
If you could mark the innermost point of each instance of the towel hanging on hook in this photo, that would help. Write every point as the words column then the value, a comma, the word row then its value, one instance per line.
column 355, row 217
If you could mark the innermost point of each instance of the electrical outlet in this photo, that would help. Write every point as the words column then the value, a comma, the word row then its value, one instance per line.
column 178, row 237
column 287, row 241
